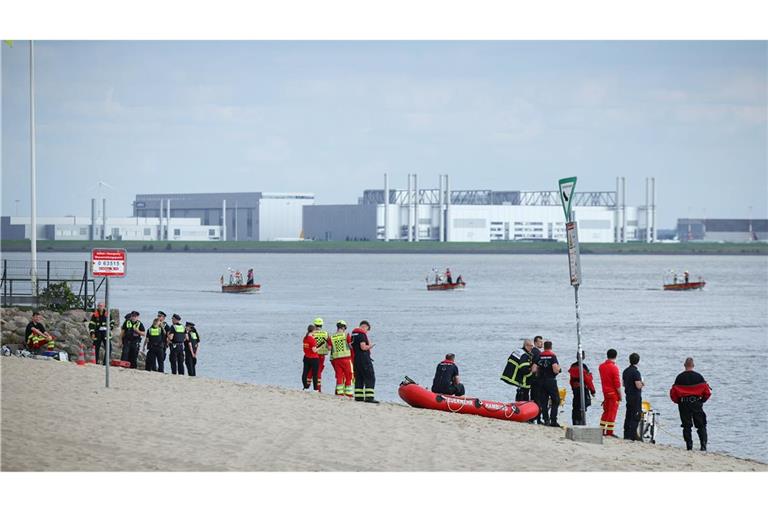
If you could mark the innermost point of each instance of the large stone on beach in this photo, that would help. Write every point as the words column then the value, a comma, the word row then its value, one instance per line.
column 582, row 434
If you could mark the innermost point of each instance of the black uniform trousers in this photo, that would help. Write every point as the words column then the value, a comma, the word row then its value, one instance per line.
column 692, row 413
column 177, row 359
column 313, row 364
column 632, row 417
column 535, row 392
column 155, row 360
column 523, row 395
column 548, row 400
column 365, row 380
column 131, row 352
column 576, row 412
column 101, row 339
column 191, row 362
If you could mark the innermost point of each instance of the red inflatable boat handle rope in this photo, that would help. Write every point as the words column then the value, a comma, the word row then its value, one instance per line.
column 448, row 403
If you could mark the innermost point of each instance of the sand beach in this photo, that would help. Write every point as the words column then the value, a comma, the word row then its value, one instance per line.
column 59, row 417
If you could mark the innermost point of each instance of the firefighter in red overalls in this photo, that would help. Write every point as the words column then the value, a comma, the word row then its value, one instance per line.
column 609, row 378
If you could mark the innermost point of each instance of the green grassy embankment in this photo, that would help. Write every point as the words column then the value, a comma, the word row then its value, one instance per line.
column 394, row 247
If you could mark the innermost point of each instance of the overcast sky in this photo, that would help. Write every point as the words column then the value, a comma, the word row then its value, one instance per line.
column 332, row 117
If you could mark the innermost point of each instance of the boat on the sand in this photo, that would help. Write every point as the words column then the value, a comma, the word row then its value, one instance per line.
column 422, row 398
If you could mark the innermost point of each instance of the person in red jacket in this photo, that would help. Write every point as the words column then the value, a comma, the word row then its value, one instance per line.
column 311, row 359
column 689, row 392
column 573, row 372
column 609, row 379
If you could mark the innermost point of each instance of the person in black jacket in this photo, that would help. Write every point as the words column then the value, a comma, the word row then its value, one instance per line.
column 446, row 379
column 365, row 378
column 191, row 348
column 633, row 391
column 689, row 392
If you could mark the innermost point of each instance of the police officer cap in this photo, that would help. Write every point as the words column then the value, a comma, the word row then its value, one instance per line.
column 318, row 322
column 190, row 324
column 161, row 313
column 176, row 317
column 134, row 313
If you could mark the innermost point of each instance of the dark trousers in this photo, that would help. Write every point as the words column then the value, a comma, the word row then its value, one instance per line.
column 455, row 390
column 313, row 364
column 523, row 395
column 535, row 392
column 125, row 351
column 101, row 339
column 549, row 400
column 177, row 360
column 191, row 363
column 133, row 353
column 632, row 417
column 365, row 380
column 155, row 359
column 576, row 413
column 692, row 413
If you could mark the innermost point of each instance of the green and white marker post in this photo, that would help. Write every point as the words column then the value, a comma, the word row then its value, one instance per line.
column 567, row 187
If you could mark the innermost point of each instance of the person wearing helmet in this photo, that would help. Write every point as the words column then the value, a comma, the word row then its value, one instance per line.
column 341, row 359
column 321, row 337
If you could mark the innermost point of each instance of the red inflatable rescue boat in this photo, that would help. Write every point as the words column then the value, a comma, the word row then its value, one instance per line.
column 422, row 398
column 121, row 364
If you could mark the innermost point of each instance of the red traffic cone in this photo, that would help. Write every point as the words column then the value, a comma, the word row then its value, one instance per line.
column 91, row 355
column 81, row 357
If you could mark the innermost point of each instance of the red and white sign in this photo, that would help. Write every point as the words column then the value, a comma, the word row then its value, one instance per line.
column 108, row 262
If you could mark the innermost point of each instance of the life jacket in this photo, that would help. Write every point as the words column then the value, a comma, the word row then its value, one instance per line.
column 179, row 333
column 609, row 379
column 518, row 369
column 322, row 342
column 339, row 346
column 573, row 373
column 688, row 387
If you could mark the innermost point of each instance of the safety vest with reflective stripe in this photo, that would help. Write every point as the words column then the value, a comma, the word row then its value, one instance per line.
column 518, row 369
column 339, row 346
column 321, row 337
column 179, row 333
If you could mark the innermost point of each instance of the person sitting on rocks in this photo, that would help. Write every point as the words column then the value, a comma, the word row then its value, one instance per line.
column 36, row 336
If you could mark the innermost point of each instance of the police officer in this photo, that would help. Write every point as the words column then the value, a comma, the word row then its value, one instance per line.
column 633, row 386
column 97, row 327
column 132, row 332
column 177, row 336
column 519, row 370
column 191, row 348
column 689, row 392
column 166, row 329
column 154, row 343
column 365, row 378
column 549, row 368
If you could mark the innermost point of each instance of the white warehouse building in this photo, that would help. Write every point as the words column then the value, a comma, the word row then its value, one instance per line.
column 477, row 216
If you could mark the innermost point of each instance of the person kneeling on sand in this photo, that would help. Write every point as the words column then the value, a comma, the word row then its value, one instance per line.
column 446, row 379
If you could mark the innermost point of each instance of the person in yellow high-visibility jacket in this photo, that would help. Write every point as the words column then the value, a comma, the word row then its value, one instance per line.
column 36, row 336
column 341, row 359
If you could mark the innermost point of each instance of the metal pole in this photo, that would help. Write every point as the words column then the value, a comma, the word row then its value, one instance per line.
column 579, row 358
column 108, row 348
column 410, row 207
column 386, row 208
column 33, row 178
column 415, row 208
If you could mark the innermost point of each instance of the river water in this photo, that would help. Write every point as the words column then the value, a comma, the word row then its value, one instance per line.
column 257, row 338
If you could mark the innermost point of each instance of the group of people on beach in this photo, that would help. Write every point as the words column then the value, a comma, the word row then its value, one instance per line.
column 181, row 343
column 534, row 369
column 350, row 355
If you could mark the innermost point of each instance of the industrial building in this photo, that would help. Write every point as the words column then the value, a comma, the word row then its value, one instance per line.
column 111, row 228
column 242, row 215
column 722, row 230
column 442, row 214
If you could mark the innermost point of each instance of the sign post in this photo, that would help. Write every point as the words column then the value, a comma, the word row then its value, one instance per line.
column 567, row 186
column 108, row 263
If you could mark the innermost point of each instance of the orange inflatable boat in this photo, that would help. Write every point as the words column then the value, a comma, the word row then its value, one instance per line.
column 422, row 398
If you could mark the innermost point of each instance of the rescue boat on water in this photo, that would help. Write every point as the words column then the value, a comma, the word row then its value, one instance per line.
column 422, row 398
column 446, row 286
column 240, row 288
column 696, row 285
